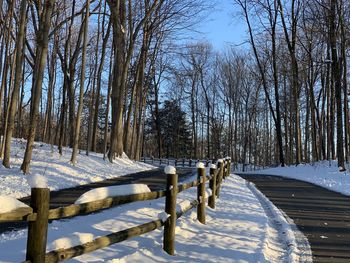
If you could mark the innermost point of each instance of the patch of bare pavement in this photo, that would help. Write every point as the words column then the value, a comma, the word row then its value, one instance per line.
column 155, row 179
column 322, row 215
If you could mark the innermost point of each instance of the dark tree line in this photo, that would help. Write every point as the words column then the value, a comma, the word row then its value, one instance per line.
column 175, row 133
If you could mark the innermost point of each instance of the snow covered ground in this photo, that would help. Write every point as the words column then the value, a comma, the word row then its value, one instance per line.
column 323, row 173
column 244, row 227
column 59, row 171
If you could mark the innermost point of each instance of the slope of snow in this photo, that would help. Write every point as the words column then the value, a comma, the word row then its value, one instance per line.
column 323, row 173
column 58, row 170
column 111, row 191
column 238, row 230
column 8, row 204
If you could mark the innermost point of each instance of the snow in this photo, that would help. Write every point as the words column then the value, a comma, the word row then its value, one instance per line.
column 208, row 192
column 169, row 169
column 324, row 173
column 112, row 191
column 244, row 227
column 220, row 161
column 163, row 216
column 58, row 170
column 75, row 239
column 298, row 247
column 200, row 165
column 213, row 166
column 37, row 181
column 238, row 230
column 181, row 207
column 8, row 204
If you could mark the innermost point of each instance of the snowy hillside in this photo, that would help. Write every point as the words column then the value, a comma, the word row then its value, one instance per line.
column 323, row 173
column 59, row 171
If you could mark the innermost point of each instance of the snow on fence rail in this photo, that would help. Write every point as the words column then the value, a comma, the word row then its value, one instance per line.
column 38, row 214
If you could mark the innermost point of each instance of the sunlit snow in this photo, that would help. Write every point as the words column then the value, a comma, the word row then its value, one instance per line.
column 111, row 191
column 238, row 230
column 323, row 173
column 8, row 204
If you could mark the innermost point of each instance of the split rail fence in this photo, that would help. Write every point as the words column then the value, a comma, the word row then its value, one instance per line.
column 183, row 162
column 39, row 214
column 179, row 162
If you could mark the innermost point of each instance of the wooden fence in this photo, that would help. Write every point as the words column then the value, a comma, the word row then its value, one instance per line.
column 184, row 162
column 39, row 214
column 179, row 162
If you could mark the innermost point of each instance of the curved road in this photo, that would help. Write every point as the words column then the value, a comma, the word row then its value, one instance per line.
column 322, row 215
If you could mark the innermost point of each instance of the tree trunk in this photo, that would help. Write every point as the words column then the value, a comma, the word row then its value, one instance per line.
column 17, row 84
column 99, row 78
column 345, row 87
column 291, row 44
column 38, row 74
column 106, row 128
column 82, row 81
column 118, row 10
column 51, row 89
column 336, row 76
column 6, row 67
column 276, row 86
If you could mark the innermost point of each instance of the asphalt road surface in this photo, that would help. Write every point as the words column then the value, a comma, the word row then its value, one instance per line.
column 322, row 215
column 155, row 179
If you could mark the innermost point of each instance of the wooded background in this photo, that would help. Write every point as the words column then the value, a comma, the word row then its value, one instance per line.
column 122, row 76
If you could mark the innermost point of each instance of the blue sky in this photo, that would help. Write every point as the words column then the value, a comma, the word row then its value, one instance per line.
column 224, row 26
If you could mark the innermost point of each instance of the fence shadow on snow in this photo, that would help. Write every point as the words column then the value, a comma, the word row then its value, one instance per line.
column 39, row 214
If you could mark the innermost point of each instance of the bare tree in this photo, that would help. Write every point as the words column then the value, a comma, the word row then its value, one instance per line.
column 82, row 80
column 42, row 39
column 17, row 82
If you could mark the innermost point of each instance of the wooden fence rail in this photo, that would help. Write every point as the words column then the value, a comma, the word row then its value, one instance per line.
column 102, row 242
column 184, row 162
column 179, row 162
column 38, row 214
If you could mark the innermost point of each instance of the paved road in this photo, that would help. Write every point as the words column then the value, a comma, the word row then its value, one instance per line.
column 155, row 179
column 322, row 215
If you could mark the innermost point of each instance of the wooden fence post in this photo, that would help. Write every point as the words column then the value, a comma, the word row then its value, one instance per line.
column 175, row 162
column 212, row 186
column 37, row 230
column 170, row 209
column 228, row 167
column 219, row 178
column 190, row 162
column 225, row 168
column 201, row 193
column 183, row 162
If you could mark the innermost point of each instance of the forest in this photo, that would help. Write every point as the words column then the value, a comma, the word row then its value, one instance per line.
column 122, row 76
